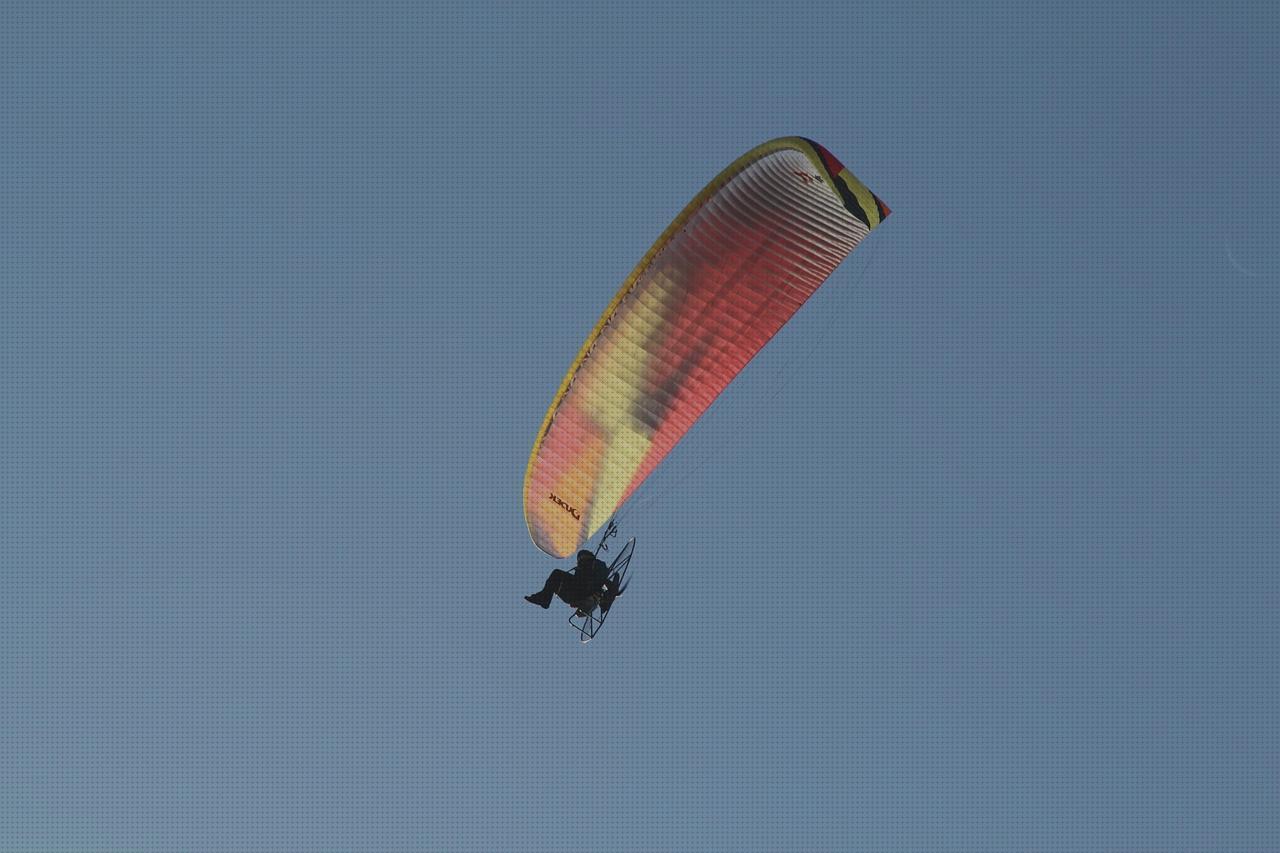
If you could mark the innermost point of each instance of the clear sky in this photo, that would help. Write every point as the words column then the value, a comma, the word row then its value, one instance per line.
column 982, row 555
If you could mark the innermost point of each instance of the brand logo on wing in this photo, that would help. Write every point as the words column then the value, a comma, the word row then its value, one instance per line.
column 564, row 506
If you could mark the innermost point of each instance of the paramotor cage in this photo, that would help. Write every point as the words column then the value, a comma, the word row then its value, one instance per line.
column 591, row 613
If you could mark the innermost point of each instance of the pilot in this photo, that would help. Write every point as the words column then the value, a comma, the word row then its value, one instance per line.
column 589, row 576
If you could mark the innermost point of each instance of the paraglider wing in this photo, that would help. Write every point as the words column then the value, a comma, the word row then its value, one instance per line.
column 722, row 279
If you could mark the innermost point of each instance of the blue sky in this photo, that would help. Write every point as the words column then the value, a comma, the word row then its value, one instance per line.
column 980, row 555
